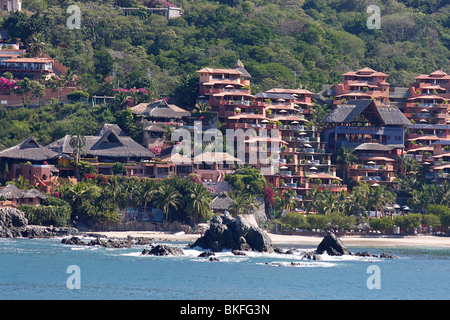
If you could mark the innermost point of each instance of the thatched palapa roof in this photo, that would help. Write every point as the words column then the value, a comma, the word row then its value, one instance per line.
column 221, row 202
column 377, row 115
column 10, row 191
column 29, row 150
column 110, row 142
column 160, row 109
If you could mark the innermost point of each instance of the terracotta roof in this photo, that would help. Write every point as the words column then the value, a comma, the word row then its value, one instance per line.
column 442, row 155
column 30, row 60
column 289, row 91
column 233, row 93
column 425, row 138
column 427, row 97
column 322, row 176
column 227, row 71
column 216, row 157
column 248, row 116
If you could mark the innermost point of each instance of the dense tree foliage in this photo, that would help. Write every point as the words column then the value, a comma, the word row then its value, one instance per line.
column 281, row 43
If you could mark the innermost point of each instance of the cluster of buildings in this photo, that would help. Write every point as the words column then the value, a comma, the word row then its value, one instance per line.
column 363, row 118
column 14, row 60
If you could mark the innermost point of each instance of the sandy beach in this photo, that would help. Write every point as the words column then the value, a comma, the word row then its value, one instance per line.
column 420, row 241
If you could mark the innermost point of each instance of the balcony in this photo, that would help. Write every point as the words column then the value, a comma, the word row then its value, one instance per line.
column 373, row 178
column 442, row 175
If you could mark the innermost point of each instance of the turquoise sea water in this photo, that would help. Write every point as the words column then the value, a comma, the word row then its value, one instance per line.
column 37, row 269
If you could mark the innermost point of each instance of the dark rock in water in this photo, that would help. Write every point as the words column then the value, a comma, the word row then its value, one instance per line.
column 388, row 256
column 120, row 243
column 332, row 245
column 311, row 255
column 241, row 234
column 363, row 254
column 213, row 259
column 206, row 254
column 14, row 224
column 163, row 250
column 73, row 241
column 238, row 253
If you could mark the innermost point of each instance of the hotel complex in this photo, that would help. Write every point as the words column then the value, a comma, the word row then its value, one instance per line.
column 361, row 119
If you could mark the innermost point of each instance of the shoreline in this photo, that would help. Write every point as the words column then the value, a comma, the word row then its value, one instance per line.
column 419, row 241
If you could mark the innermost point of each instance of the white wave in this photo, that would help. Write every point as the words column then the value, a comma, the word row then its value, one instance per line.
column 303, row 264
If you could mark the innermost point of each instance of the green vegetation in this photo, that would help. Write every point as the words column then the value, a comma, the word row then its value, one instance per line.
column 53, row 211
column 100, row 198
column 319, row 40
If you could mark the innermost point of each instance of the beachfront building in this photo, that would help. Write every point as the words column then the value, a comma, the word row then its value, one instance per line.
column 30, row 160
column 363, row 84
column 109, row 146
column 13, row 194
column 376, row 133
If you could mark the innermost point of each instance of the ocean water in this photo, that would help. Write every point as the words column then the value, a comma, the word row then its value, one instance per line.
column 38, row 269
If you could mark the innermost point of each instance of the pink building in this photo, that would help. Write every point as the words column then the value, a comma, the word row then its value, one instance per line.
column 365, row 83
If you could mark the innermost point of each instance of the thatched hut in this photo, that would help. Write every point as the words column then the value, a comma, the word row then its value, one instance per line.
column 221, row 202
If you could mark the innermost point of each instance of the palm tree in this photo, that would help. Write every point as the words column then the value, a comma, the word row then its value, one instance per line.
column 199, row 199
column 379, row 197
column 167, row 198
column 21, row 183
column 345, row 156
column 78, row 142
column 409, row 165
column 114, row 188
column 290, row 199
column 202, row 107
column 252, row 203
column 36, row 46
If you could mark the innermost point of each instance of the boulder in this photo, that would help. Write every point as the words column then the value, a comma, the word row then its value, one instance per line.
column 205, row 254
column 332, row 245
column 241, row 233
column 163, row 250
column 12, row 223
column 73, row 241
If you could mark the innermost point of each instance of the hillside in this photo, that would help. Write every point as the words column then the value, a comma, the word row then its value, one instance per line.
column 282, row 43
column 317, row 39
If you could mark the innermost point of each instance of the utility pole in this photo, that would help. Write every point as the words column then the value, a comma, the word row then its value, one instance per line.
column 295, row 79
column 114, row 73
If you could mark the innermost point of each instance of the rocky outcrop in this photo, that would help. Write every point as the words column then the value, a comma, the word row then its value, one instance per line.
column 14, row 224
column 241, row 233
column 163, row 250
column 110, row 243
column 332, row 245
